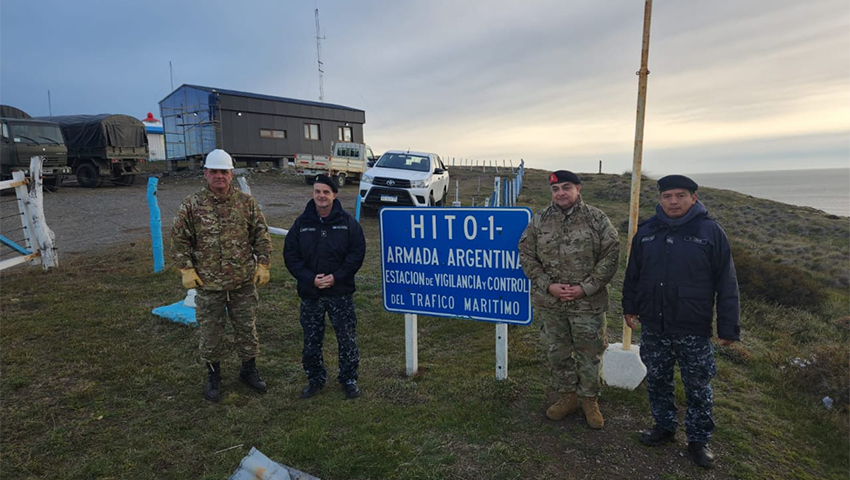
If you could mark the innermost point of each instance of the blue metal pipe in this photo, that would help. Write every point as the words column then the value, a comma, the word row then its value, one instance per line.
column 156, row 226
column 357, row 208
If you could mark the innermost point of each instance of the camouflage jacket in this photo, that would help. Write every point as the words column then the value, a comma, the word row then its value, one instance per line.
column 579, row 246
column 222, row 239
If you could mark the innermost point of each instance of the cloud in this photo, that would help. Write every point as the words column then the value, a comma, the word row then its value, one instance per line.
column 544, row 80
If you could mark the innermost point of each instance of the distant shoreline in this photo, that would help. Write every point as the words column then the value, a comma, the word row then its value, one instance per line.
column 747, row 172
column 826, row 189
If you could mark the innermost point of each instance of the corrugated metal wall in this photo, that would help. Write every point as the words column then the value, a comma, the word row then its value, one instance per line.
column 243, row 118
column 156, row 144
column 198, row 119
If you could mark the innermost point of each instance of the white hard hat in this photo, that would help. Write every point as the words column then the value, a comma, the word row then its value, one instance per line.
column 218, row 159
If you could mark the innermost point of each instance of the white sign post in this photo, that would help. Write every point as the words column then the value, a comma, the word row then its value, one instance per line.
column 501, row 351
column 411, row 345
column 455, row 263
column 501, row 328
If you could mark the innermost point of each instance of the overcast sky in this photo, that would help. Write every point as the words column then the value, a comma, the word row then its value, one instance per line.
column 734, row 85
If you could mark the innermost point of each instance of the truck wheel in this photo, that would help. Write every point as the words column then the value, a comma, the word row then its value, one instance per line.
column 309, row 180
column 431, row 202
column 87, row 175
column 340, row 180
column 124, row 180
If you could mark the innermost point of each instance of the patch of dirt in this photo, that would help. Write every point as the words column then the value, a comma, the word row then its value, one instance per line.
column 615, row 452
column 570, row 449
column 85, row 219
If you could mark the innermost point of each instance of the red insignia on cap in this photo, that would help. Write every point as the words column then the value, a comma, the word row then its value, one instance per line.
column 553, row 178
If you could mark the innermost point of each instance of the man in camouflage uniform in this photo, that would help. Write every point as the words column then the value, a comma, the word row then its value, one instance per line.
column 220, row 242
column 569, row 251
column 680, row 266
column 323, row 250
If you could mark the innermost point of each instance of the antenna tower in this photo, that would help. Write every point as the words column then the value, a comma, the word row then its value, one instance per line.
column 319, row 39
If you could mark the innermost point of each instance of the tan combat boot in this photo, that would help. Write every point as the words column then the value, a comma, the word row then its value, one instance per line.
column 590, row 407
column 566, row 404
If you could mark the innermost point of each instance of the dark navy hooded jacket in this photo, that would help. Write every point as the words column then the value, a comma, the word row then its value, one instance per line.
column 331, row 245
column 678, row 270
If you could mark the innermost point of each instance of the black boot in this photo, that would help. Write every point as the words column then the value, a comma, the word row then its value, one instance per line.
column 700, row 454
column 657, row 436
column 213, row 381
column 351, row 389
column 251, row 377
column 311, row 390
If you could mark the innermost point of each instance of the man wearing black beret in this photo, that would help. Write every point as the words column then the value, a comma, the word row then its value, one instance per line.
column 570, row 252
column 679, row 269
column 323, row 250
column 326, row 180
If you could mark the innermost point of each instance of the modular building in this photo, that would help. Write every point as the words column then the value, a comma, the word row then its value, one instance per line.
column 252, row 127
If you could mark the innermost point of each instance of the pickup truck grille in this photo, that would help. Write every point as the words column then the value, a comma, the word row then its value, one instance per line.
column 402, row 197
column 391, row 182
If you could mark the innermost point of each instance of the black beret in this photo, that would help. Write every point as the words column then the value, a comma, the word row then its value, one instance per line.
column 327, row 181
column 562, row 176
column 676, row 181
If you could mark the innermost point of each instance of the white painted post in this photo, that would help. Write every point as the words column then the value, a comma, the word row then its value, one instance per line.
column 43, row 236
column 501, row 328
column 21, row 193
column 456, row 203
column 411, row 344
column 243, row 185
column 501, row 351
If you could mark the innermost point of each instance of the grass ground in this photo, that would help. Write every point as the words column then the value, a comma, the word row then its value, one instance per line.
column 94, row 386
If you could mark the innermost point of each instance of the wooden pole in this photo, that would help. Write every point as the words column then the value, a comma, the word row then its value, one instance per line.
column 634, row 205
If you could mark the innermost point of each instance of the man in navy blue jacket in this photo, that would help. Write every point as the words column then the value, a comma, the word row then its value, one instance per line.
column 323, row 250
column 680, row 267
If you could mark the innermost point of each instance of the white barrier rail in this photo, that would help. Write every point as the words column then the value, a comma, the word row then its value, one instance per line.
column 39, row 239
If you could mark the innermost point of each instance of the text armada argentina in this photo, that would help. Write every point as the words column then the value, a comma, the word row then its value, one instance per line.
column 454, row 257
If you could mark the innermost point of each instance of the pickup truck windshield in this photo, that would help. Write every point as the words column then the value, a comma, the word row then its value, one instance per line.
column 40, row 134
column 405, row 161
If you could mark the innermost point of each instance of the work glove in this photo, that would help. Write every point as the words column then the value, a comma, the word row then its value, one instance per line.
column 261, row 276
column 191, row 278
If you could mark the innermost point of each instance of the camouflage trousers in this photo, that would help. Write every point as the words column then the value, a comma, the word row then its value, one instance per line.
column 212, row 308
column 340, row 309
column 574, row 346
column 695, row 356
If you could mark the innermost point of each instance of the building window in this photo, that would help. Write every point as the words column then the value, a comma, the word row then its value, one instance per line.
column 272, row 133
column 311, row 131
column 344, row 134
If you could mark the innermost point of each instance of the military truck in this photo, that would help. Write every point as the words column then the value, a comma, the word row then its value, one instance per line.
column 104, row 146
column 24, row 137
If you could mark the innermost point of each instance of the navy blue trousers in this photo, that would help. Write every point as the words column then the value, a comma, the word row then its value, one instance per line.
column 695, row 356
column 340, row 310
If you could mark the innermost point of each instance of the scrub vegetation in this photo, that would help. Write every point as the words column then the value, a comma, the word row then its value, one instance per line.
column 94, row 386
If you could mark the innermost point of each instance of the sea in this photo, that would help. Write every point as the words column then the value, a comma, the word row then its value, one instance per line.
column 825, row 189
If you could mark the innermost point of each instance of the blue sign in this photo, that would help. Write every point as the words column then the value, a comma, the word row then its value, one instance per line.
column 455, row 262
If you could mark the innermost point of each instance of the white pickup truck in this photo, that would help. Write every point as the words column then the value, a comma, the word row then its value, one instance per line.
column 406, row 178
column 347, row 162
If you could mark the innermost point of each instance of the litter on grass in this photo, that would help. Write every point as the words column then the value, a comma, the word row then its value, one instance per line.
column 256, row 466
